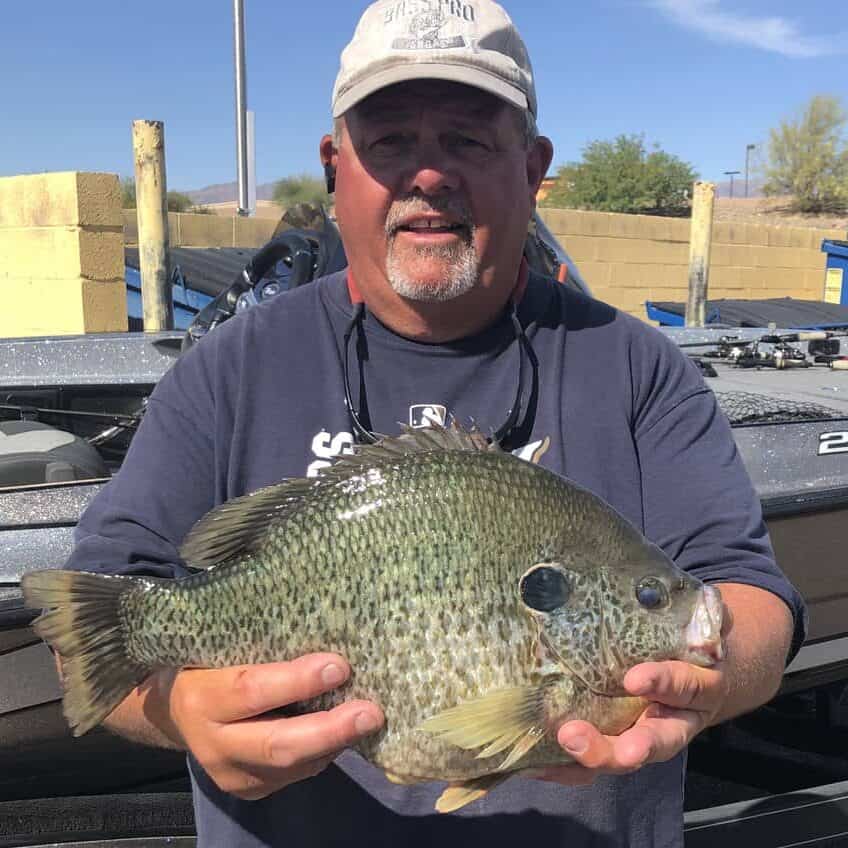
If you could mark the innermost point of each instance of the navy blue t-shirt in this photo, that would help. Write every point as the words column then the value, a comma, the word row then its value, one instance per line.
column 617, row 408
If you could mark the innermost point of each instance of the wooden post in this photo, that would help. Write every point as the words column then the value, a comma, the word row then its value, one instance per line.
column 700, row 245
column 151, row 198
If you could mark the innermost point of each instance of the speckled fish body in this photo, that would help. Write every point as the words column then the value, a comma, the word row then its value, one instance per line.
column 481, row 600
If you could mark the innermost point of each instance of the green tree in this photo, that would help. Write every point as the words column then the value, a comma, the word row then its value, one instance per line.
column 177, row 201
column 128, row 193
column 303, row 188
column 808, row 158
column 623, row 176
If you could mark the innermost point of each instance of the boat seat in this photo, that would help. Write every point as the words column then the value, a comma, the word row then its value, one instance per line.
column 32, row 453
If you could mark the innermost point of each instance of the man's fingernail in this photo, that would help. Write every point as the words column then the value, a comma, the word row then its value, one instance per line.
column 365, row 723
column 332, row 675
column 577, row 744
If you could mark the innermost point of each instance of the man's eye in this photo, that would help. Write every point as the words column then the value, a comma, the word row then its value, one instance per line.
column 388, row 142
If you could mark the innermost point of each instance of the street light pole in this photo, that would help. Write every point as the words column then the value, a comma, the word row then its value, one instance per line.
column 731, row 174
column 241, row 108
column 748, row 150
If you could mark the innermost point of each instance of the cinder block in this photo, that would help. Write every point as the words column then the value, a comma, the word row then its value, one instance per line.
column 680, row 229
column 756, row 234
column 720, row 255
column 581, row 248
column 744, row 255
column 562, row 222
column 639, row 227
column 104, row 306
column 725, row 277
column 725, row 232
column 205, row 231
column 596, row 274
column 622, row 275
column 780, row 236
column 252, row 232
column 594, row 223
column 67, row 199
column 101, row 255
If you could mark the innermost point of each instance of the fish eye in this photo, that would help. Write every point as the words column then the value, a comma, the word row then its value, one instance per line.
column 651, row 593
column 544, row 589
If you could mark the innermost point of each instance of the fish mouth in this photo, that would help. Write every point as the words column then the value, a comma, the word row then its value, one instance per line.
column 703, row 643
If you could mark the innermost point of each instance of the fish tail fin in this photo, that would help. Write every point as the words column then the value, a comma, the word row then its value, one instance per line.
column 81, row 622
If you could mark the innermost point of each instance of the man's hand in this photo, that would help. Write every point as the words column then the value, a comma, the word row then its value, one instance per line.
column 685, row 699
column 217, row 714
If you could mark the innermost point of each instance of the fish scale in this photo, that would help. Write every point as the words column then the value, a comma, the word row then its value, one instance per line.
column 410, row 559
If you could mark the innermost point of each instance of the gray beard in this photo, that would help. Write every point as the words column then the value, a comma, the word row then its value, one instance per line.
column 462, row 277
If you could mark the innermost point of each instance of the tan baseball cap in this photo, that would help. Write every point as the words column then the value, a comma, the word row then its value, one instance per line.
column 473, row 42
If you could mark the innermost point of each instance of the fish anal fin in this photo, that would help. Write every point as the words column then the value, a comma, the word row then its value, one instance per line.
column 493, row 722
column 399, row 779
column 457, row 795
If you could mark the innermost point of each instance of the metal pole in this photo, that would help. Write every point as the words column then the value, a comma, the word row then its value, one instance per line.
column 731, row 174
column 748, row 150
column 700, row 245
column 241, row 107
column 251, row 162
column 151, row 198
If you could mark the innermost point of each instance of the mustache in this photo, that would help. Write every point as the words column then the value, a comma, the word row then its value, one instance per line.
column 416, row 205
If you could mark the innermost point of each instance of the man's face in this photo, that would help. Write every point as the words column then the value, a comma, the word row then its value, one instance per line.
column 434, row 189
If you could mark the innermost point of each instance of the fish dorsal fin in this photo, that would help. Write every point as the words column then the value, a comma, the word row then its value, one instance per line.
column 241, row 524
column 412, row 440
column 508, row 718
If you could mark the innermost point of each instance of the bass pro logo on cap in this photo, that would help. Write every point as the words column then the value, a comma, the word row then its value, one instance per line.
column 425, row 414
column 424, row 31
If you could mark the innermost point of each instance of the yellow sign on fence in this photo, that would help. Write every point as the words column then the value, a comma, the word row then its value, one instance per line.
column 833, row 285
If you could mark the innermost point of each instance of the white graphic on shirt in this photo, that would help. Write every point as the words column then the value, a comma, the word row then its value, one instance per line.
column 425, row 414
column 326, row 446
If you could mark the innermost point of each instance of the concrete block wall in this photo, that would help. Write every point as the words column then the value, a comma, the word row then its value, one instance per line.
column 629, row 259
column 61, row 255
column 190, row 230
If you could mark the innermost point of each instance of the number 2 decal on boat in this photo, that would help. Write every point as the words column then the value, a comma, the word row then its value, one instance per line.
column 833, row 443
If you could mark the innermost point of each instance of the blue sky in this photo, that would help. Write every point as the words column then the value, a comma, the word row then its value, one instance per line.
column 702, row 78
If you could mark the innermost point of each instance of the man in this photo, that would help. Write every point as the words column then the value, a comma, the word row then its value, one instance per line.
column 437, row 162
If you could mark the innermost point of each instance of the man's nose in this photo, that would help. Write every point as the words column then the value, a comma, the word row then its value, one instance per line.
column 431, row 173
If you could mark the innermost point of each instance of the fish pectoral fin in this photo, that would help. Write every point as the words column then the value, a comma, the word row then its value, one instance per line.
column 457, row 795
column 507, row 718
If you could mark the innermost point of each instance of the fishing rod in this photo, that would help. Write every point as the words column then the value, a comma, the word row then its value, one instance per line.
column 823, row 345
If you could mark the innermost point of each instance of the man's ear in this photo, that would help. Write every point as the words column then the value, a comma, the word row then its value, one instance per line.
column 328, row 153
column 539, row 158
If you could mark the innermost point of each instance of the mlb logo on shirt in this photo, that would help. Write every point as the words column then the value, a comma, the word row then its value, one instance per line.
column 425, row 414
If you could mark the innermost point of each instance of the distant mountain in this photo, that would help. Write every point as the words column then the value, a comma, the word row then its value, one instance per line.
column 227, row 192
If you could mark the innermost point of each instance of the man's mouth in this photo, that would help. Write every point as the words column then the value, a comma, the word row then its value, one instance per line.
column 430, row 226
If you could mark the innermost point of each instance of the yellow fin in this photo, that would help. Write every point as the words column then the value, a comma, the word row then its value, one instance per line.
column 459, row 794
column 400, row 780
column 497, row 721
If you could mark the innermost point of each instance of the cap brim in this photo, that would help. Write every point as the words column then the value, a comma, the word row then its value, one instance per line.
column 462, row 74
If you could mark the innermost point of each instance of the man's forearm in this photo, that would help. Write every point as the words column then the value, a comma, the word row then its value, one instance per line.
column 757, row 646
column 143, row 716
